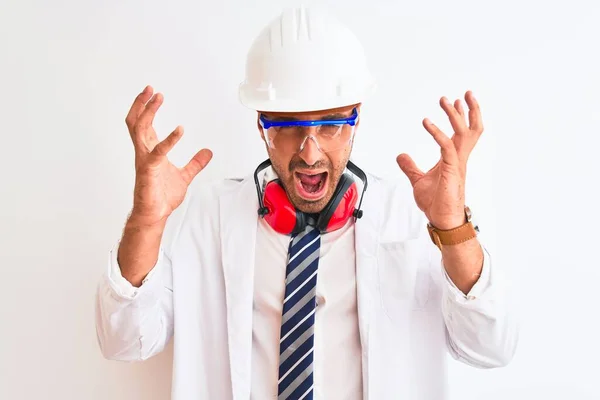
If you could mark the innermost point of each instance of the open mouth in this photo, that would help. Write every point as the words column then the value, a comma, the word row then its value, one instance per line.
column 311, row 186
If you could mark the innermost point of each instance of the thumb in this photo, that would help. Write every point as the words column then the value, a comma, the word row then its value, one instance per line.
column 410, row 169
column 196, row 164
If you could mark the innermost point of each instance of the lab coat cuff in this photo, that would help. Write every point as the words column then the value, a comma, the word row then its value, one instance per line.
column 121, row 286
column 480, row 287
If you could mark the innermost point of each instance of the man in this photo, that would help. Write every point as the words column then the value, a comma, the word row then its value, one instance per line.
column 309, row 278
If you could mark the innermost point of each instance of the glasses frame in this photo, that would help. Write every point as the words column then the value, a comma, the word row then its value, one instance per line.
column 351, row 120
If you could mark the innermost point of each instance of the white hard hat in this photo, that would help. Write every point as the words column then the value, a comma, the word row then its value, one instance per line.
column 305, row 60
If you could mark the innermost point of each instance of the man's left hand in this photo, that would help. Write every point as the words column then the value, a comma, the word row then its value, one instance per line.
column 440, row 193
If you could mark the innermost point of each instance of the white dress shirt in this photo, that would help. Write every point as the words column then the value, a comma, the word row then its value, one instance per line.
column 337, row 351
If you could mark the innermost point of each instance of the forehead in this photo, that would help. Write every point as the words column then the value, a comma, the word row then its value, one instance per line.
column 332, row 113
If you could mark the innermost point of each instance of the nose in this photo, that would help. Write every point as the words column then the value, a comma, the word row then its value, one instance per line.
column 310, row 152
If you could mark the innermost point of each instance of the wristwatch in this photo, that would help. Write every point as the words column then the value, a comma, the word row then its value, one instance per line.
column 460, row 234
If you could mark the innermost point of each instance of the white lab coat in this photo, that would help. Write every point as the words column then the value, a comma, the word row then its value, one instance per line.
column 201, row 289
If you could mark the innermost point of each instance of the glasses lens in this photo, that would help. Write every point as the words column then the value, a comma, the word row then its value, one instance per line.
column 329, row 137
column 333, row 137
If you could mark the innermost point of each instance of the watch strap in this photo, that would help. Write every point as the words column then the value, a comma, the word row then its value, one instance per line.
column 453, row 236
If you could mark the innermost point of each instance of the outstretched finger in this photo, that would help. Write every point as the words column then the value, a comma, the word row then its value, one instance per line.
column 458, row 106
column 456, row 120
column 139, row 104
column 146, row 118
column 410, row 169
column 196, row 164
column 163, row 148
column 475, row 119
column 449, row 154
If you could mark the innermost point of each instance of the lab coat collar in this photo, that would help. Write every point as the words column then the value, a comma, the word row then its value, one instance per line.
column 238, row 227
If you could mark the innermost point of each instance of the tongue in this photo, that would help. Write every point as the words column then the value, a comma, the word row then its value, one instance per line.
column 311, row 179
column 311, row 182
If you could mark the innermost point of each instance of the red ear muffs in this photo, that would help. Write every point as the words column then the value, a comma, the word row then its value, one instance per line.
column 283, row 217
column 279, row 212
column 341, row 206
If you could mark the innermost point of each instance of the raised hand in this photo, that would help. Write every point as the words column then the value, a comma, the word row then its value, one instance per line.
column 440, row 193
column 160, row 186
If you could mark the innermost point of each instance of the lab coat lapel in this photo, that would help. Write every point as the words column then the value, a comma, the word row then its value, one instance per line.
column 366, row 240
column 238, row 223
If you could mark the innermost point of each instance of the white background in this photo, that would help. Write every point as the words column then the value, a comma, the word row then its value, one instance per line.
column 70, row 69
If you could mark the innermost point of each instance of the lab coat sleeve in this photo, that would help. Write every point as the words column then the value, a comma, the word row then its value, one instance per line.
column 481, row 326
column 136, row 323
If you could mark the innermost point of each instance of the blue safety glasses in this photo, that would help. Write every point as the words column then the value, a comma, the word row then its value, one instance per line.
column 328, row 134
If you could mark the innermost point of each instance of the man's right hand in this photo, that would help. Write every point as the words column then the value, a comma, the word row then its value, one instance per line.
column 160, row 187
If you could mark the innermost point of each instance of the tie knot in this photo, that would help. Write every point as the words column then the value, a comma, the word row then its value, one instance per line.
column 311, row 221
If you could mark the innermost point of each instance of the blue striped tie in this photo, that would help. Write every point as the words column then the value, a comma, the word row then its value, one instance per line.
column 298, row 317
